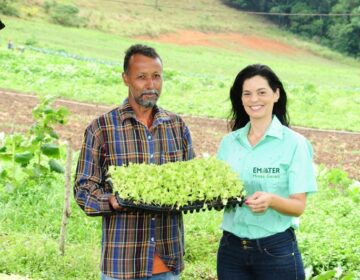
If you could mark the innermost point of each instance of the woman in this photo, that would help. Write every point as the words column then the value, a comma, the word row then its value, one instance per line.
column 275, row 164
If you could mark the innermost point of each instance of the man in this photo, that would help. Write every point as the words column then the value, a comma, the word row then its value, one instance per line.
column 134, row 245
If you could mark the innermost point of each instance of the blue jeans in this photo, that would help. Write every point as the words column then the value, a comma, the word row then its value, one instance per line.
column 160, row 276
column 269, row 258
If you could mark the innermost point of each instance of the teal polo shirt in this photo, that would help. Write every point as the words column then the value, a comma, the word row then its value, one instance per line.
column 280, row 163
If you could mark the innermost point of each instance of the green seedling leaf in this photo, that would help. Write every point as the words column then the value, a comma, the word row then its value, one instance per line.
column 24, row 158
column 53, row 134
column 51, row 150
column 56, row 166
column 177, row 183
column 328, row 275
column 5, row 157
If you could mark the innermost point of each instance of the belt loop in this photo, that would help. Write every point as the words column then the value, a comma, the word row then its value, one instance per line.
column 258, row 244
column 292, row 231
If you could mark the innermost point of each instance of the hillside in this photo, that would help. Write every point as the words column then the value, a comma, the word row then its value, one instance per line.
column 203, row 45
column 154, row 18
column 148, row 17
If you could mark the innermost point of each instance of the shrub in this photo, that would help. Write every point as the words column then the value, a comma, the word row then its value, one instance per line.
column 31, row 41
column 67, row 15
column 7, row 9
column 48, row 5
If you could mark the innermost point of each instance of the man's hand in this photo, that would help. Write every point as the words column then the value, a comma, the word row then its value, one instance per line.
column 114, row 204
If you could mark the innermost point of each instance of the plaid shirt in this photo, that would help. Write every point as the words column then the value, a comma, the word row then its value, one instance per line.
column 129, row 240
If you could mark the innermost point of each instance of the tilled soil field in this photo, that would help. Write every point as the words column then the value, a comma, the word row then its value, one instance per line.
column 332, row 148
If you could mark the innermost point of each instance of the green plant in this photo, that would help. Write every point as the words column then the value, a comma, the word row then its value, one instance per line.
column 67, row 15
column 48, row 5
column 7, row 9
column 23, row 156
column 31, row 41
column 354, row 191
column 43, row 133
column 195, row 180
column 328, row 236
column 337, row 178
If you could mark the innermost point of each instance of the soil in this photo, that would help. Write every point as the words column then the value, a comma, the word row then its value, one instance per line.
column 332, row 148
column 231, row 41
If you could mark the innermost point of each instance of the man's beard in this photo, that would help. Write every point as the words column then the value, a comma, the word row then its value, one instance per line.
column 147, row 102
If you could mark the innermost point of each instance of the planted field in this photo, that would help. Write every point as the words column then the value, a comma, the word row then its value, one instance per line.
column 201, row 228
column 198, row 74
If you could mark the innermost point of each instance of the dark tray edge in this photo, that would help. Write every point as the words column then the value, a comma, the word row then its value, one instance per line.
column 197, row 206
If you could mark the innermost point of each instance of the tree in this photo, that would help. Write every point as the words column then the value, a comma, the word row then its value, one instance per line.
column 340, row 33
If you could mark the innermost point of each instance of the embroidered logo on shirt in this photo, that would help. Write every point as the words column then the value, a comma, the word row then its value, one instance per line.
column 266, row 172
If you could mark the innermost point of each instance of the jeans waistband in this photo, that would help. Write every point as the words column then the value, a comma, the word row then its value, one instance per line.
column 247, row 243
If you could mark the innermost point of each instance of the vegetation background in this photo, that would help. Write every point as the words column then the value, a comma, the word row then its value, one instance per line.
column 73, row 50
column 334, row 23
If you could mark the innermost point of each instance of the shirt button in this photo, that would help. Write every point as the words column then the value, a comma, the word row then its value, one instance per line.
column 149, row 137
column 153, row 219
column 151, row 156
column 152, row 239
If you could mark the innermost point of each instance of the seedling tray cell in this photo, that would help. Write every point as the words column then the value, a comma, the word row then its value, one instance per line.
column 194, row 207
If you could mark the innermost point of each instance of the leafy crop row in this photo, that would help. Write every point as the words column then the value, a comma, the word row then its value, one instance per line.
column 200, row 93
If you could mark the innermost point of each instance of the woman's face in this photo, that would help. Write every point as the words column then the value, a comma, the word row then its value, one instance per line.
column 258, row 98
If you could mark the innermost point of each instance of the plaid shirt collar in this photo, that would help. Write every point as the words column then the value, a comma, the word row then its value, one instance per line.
column 127, row 112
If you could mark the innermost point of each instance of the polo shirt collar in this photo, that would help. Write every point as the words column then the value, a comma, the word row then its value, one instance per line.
column 126, row 112
column 274, row 130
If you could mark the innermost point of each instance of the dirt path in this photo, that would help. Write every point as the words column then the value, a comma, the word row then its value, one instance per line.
column 334, row 149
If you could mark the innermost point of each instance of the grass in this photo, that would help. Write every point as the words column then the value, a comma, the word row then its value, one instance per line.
column 30, row 225
column 151, row 17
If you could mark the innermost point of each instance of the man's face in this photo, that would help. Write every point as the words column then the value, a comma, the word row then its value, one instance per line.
column 144, row 80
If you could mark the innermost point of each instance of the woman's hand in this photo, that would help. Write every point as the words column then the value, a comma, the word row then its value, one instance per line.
column 259, row 201
column 294, row 205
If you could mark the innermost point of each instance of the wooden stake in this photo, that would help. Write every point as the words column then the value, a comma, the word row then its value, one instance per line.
column 66, row 210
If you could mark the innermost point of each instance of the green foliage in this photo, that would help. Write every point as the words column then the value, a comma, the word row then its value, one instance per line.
column 329, row 233
column 340, row 33
column 48, row 5
column 195, row 180
column 32, row 41
column 22, row 156
column 30, row 220
column 312, row 91
column 7, row 9
column 42, row 132
column 67, row 15
column 202, row 235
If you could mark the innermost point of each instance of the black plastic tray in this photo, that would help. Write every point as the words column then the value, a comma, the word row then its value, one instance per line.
column 190, row 208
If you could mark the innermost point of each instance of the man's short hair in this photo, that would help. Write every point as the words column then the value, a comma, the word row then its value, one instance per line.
column 139, row 49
